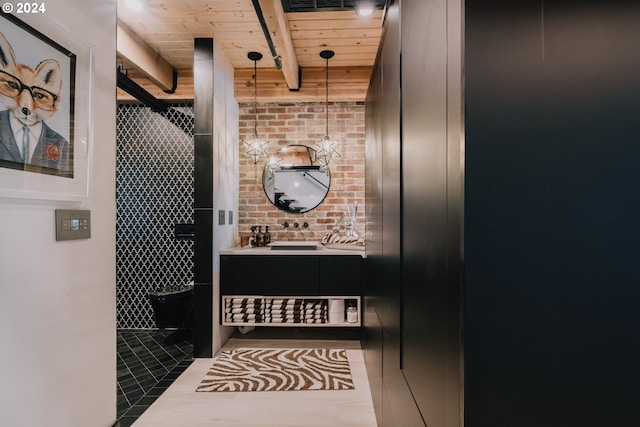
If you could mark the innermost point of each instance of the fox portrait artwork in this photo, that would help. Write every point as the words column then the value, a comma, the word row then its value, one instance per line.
column 29, row 96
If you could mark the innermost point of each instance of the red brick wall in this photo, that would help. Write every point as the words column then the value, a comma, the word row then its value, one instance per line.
column 303, row 123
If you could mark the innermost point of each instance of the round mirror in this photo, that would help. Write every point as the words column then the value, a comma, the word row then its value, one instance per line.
column 294, row 181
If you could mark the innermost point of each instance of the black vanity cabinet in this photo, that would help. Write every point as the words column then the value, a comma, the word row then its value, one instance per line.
column 269, row 275
column 340, row 275
column 290, row 289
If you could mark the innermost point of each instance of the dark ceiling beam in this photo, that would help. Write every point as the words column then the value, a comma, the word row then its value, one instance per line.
column 275, row 24
column 177, row 118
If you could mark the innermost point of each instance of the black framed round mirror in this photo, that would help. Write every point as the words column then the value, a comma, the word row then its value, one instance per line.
column 294, row 181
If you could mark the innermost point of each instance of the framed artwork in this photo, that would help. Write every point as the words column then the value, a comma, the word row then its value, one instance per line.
column 45, row 87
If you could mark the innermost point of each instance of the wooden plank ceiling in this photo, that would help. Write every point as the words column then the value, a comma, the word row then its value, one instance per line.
column 161, row 35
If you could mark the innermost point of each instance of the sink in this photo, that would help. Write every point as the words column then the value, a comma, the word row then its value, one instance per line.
column 293, row 246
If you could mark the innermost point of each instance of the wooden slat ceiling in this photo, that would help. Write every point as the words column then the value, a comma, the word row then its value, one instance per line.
column 169, row 27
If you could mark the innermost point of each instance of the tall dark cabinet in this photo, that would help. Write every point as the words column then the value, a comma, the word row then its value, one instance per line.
column 414, row 192
column 431, row 207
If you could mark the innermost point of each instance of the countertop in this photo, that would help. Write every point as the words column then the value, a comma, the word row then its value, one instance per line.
column 321, row 250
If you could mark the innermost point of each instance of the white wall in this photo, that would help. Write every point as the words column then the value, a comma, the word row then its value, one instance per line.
column 57, row 299
column 225, row 178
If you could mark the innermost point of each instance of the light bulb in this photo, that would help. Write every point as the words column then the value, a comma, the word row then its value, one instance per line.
column 365, row 8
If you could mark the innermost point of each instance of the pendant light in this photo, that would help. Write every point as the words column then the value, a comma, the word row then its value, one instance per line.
column 273, row 164
column 326, row 148
column 255, row 147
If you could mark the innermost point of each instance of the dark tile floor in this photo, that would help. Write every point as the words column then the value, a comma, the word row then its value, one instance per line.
column 148, row 363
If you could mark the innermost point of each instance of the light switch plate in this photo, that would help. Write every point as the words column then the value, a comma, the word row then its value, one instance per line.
column 73, row 224
column 220, row 217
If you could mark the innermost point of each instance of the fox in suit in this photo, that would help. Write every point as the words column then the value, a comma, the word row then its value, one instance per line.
column 30, row 96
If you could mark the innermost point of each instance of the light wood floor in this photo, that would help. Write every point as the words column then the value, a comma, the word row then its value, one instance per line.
column 181, row 406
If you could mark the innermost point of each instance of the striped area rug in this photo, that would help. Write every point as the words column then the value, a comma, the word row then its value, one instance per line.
column 278, row 369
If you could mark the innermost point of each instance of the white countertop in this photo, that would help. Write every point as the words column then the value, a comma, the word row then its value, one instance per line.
column 321, row 250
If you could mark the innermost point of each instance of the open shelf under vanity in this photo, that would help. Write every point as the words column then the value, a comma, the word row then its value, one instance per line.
column 290, row 311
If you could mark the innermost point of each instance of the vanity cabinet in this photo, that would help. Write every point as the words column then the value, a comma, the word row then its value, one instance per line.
column 269, row 275
column 262, row 288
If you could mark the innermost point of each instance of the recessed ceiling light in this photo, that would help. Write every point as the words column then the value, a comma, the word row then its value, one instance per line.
column 135, row 5
column 365, row 8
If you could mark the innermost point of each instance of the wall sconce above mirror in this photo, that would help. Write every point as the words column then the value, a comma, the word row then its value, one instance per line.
column 293, row 179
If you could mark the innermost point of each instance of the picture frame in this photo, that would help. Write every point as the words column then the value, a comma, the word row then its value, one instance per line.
column 45, row 110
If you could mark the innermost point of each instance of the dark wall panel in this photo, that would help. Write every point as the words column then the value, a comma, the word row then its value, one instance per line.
column 372, row 351
column 430, row 354
column 413, row 283
column 391, row 183
column 203, row 197
column 383, row 288
column 372, row 301
column 552, row 101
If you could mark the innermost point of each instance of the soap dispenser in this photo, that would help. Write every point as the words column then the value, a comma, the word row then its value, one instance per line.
column 252, row 239
column 267, row 236
column 260, row 237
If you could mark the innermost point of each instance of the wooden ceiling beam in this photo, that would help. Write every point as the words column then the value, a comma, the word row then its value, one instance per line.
column 278, row 25
column 135, row 50
column 345, row 84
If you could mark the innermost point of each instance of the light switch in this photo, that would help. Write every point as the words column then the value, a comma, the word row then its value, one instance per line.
column 73, row 224
column 230, row 217
column 220, row 217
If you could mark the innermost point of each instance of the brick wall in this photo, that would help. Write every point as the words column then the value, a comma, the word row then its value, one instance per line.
column 303, row 123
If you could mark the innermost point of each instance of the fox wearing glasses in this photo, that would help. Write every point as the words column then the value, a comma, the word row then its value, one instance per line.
column 31, row 96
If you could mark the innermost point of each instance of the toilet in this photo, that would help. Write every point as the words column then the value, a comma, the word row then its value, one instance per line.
column 172, row 307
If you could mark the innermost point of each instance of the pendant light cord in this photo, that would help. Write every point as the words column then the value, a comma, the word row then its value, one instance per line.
column 255, row 98
column 326, row 85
